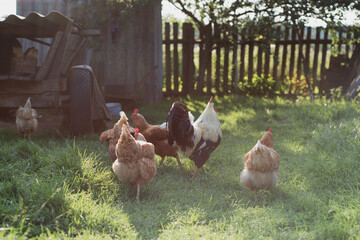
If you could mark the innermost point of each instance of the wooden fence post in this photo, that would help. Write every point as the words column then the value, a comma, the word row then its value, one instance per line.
column 235, row 74
column 188, row 68
column 284, row 55
column 323, row 61
column 218, row 57
column 176, row 58
column 242, row 57
column 316, row 56
column 251, row 60
column 300, row 40
column 167, row 58
column 208, row 59
column 276, row 55
column 292, row 54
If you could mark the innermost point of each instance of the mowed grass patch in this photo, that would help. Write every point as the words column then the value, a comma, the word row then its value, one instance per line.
column 65, row 188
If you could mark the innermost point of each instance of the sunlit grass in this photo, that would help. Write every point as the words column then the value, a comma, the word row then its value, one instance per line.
column 66, row 189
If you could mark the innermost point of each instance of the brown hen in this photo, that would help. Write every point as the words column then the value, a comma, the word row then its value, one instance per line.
column 158, row 136
column 135, row 163
column 26, row 120
column 112, row 135
column 261, row 165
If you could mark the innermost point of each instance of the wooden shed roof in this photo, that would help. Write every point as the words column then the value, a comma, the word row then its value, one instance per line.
column 34, row 25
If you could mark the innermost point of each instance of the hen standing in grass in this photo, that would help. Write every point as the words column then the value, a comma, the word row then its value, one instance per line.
column 135, row 163
column 195, row 140
column 158, row 136
column 26, row 120
column 112, row 135
column 261, row 165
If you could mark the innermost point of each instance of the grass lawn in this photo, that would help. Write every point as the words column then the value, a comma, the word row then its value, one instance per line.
column 65, row 188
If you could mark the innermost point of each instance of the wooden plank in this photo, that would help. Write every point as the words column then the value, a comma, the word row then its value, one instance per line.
column 176, row 58
column 259, row 59
column 292, row 54
column 37, row 101
column 218, row 57
column 251, row 60
column 72, row 55
column 55, row 70
column 208, row 59
column 44, row 69
column 167, row 59
column 242, row 58
column 300, row 49
column 276, row 55
column 307, row 51
column 205, row 56
column 188, row 67
column 284, row 56
column 340, row 41
column 226, row 65
column 267, row 62
column 29, row 88
column 323, row 62
column 15, row 77
column 235, row 70
column 316, row 59
column 347, row 46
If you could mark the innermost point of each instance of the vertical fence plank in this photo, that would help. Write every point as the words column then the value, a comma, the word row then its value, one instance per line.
column 168, row 58
column 284, row 55
column 292, row 54
column 347, row 46
column 226, row 64
column 323, row 62
column 340, row 41
column 267, row 62
column 251, row 60
column 307, row 51
column 259, row 59
column 235, row 70
column 208, row 59
column 242, row 58
column 316, row 57
column 188, row 68
column 176, row 58
column 218, row 57
column 276, row 55
column 300, row 47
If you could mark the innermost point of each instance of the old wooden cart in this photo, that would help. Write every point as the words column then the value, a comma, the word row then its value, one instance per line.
column 56, row 83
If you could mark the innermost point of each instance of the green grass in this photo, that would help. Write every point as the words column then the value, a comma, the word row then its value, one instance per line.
column 66, row 188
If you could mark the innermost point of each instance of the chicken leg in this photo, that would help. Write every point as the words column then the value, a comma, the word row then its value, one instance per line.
column 137, row 192
column 178, row 161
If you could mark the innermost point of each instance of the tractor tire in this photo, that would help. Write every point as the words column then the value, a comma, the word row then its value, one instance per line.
column 80, row 84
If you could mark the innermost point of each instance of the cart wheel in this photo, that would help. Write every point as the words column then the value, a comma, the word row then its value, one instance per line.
column 80, row 101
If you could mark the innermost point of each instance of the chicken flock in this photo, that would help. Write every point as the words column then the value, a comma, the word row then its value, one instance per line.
column 133, row 149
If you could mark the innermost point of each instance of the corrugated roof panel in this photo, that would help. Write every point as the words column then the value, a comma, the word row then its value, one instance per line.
column 34, row 25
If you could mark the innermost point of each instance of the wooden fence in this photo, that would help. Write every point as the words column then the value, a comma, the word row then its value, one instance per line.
column 190, row 66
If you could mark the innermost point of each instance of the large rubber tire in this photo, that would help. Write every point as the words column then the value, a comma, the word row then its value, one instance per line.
column 80, row 101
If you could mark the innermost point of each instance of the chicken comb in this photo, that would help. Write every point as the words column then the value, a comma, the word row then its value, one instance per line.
column 136, row 130
column 136, row 110
column 270, row 130
column 211, row 99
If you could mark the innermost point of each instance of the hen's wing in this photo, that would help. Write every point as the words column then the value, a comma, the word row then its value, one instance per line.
column 147, row 168
column 155, row 133
column 105, row 135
